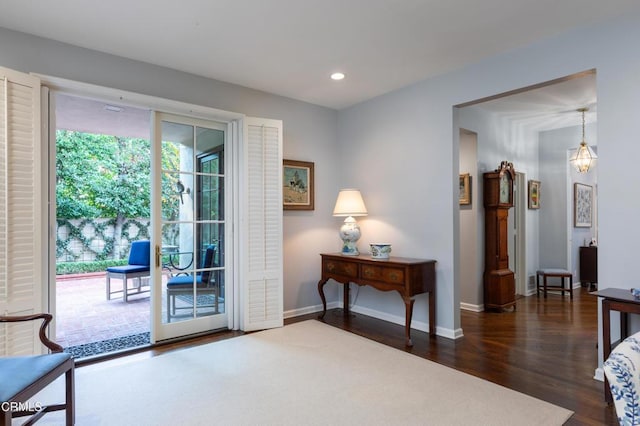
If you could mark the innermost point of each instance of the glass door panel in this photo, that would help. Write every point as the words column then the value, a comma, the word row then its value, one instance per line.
column 191, row 236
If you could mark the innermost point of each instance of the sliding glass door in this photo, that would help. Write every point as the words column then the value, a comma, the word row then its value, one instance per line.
column 190, row 233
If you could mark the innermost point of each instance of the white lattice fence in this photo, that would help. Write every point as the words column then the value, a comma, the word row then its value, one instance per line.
column 86, row 240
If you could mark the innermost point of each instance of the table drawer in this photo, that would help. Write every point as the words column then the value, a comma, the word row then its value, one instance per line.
column 347, row 269
column 384, row 274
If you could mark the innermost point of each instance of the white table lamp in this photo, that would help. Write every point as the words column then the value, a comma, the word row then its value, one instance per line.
column 349, row 204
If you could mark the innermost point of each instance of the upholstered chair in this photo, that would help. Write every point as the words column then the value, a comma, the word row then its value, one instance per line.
column 622, row 370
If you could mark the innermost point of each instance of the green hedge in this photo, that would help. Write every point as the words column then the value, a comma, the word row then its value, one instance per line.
column 64, row 268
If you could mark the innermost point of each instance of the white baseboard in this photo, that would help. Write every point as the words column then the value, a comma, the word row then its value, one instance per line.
column 310, row 310
column 416, row 325
column 471, row 307
column 599, row 374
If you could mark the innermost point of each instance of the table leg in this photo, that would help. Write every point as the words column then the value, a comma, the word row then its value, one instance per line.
column 624, row 326
column 606, row 345
column 432, row 313
column 408, row 303
column 108, row 287
column 321, row 284
column 345, row 297
column 571, row 287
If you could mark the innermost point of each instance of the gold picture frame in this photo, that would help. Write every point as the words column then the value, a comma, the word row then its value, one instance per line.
column 465, row 189
column 297, row 185
column 534, row 194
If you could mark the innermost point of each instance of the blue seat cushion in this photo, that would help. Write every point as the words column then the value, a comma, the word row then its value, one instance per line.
column 129, row 269
column 186, row 281
column 183, row 281
column 16, row 373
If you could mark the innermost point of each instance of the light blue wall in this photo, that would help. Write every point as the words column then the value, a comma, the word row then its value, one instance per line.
column 471, row 229
column 498, row 140
column 310, row 134
column 401, row 150
column 559, row 239
column 410, row 138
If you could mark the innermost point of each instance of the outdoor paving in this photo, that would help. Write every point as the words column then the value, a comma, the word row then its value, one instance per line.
column 84, row 315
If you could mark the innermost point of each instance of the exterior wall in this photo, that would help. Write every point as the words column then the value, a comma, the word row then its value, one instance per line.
column 85, row 240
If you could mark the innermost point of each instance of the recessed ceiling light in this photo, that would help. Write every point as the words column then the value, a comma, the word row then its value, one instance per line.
column 337, row 76
column 113, row 108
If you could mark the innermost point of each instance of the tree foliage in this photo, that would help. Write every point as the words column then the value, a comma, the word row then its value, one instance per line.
column 104, row 176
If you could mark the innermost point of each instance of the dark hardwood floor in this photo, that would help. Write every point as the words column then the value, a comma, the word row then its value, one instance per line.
column 546, row 349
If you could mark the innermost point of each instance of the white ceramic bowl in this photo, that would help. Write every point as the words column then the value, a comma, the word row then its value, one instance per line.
column 380, row 250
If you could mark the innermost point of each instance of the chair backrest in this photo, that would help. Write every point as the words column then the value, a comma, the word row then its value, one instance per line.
column 140, row 253
column 207, row 262
column 622, row 369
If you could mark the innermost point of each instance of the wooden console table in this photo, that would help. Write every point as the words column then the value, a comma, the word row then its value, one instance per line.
column 409, row 277
column 621, row 300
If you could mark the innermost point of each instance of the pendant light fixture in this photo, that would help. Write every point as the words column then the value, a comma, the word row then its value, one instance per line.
column 584, row 156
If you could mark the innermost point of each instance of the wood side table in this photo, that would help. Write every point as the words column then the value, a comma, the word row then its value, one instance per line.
column 589, row 266
column 621, row 300
column 409, row 277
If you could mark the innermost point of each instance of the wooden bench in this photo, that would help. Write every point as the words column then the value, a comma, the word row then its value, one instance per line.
column 562, row 274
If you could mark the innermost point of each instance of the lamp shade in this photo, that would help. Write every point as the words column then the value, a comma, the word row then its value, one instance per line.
column 583, row 158
column 349, row 203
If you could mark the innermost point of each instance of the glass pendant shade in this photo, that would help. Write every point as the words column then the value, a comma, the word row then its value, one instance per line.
column 582, row 160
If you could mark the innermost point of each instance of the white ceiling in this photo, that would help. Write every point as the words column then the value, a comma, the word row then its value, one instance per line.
column 91, row 116
column 549, row 107
column 289, row 47
column 544, row 108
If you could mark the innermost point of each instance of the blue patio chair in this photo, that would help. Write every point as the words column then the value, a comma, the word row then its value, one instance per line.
column 139, row 266
column 22, row 377
column 205, row 284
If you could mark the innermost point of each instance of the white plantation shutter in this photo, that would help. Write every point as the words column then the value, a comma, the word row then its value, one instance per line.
column 262, row 270
column 20, row 209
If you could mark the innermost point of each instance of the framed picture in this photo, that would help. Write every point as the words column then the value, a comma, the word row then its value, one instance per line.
column 465, row 189
column 582, row 205
column 534, row 194
column 297, row 185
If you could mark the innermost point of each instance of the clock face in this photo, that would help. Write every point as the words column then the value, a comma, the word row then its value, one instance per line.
column 504, row 189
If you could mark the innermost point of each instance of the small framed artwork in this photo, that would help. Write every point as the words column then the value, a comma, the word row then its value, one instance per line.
column 465, row 189
column 534, row 194
column 297, row 185
column 582, row 205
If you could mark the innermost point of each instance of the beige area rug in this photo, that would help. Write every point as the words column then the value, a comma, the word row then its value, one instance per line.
column 307, row 373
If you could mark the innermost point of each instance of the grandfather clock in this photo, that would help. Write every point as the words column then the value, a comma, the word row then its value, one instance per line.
column 499, row 281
